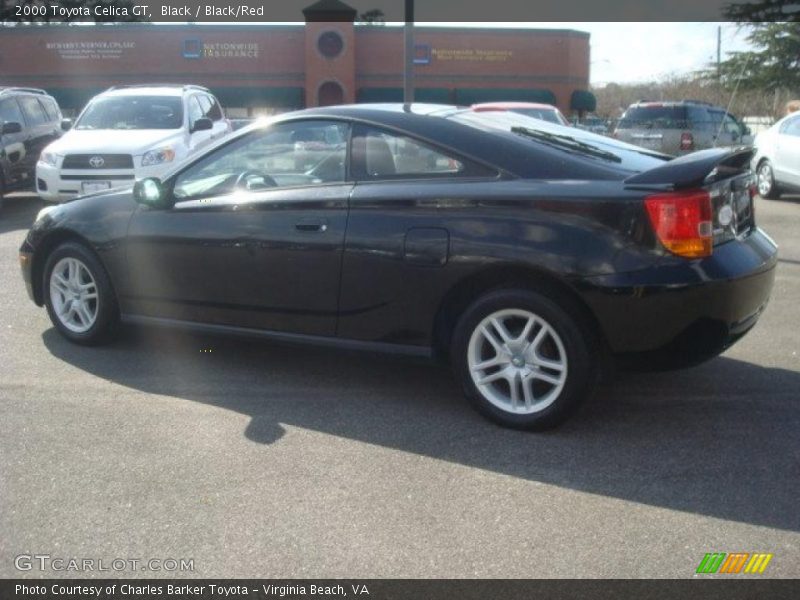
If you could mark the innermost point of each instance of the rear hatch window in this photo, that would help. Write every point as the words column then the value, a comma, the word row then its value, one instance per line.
column 654, row 117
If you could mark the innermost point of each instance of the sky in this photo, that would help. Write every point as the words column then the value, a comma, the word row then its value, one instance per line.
column 639, row 52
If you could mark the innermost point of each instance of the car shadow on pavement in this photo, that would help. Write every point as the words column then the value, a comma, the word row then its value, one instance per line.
column 19, row 211
column 719, row 440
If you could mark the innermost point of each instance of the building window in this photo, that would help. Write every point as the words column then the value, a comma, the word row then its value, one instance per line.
column 330, row 44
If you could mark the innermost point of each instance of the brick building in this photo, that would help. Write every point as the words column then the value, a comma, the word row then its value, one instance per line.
column 327, row 60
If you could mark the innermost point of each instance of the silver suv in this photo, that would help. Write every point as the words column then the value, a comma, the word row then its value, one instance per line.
column 680, row 127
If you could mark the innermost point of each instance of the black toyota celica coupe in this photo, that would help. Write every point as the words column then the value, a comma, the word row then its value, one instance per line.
column 528, row 255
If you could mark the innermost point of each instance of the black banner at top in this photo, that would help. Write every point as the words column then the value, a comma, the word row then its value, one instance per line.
column 389, row 11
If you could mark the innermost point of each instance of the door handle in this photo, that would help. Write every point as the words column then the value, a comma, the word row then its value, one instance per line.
column 320, row 225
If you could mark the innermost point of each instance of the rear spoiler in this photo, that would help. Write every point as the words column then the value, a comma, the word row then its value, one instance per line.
column 694, row 170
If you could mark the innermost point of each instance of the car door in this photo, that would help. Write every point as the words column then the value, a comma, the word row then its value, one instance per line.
column 251, row 241
column 212, row 111
column 197, row 139
column 787, row 152
column 396, row 261
column 41, row 131
column 13, row 144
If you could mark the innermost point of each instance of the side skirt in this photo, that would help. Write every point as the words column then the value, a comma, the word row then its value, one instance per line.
column 280, row 336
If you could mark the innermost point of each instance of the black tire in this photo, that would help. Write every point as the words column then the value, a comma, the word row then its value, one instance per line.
column 578, row 342
column 107, row 312
column 766, row 177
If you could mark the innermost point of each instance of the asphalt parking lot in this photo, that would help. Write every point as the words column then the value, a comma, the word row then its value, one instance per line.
column 273, row 461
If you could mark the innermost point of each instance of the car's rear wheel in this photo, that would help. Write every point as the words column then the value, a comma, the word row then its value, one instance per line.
column 78, row 294
column 765, row 177
column 524, row 360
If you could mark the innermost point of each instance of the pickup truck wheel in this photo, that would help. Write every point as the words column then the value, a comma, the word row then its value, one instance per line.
column 80, row 300
column 523, row 360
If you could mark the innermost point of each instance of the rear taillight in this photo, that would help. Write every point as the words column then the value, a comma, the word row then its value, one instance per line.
column 682, row 222
column 687, row 141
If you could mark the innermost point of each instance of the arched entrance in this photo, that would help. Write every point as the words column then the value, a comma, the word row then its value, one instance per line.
column 330, row 93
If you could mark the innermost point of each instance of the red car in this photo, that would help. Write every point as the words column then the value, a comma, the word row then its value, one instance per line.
column 545, row 112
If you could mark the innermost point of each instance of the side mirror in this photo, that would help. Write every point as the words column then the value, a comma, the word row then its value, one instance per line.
column 150, row 192
column 11, row 127
column 202, row 124
column 746, row 130
column 66, row 124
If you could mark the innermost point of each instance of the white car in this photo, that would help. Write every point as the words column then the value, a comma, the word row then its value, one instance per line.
column 777, row 159
column 128, row 133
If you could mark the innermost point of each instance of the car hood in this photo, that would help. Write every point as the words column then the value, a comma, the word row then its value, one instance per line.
column 100, row 141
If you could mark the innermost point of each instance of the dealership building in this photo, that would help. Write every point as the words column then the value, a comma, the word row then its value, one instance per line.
column 328, row 59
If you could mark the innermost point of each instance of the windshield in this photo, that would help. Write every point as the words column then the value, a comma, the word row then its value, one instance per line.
column 133, row 112
column 545, row 114
column 569, row 139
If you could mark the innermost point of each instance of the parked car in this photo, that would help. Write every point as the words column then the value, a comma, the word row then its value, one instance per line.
column 592, row 123
column 29, row 120
column 777, row 159
column 680, row 127
column 526, row 253
column 129, row 132
column 545, row 112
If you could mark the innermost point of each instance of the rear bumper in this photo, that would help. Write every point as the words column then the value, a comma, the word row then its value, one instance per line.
column 693, row 308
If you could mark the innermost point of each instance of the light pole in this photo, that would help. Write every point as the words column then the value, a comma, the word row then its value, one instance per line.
column 408, row 71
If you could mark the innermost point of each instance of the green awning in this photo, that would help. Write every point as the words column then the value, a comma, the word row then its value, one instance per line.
column 395, row 94
column 74, row 98
column 242, row 97
column 239, row 97
column 583, row 100
column 467, row 96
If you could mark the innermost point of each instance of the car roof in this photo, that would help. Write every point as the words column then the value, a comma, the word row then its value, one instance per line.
column 510, row 105
column 657, row 103
column 149, row 90
column 441, row 126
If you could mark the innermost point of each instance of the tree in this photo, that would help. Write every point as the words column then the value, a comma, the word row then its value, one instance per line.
column 766, row 10
column 372, row 17
column 773, row 65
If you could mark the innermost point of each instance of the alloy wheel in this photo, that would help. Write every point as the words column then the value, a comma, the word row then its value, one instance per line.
column 74, row 295
column 517, row 361
column 765, row 179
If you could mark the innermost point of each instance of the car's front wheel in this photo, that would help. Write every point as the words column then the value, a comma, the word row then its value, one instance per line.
column 524, row 360
column 767, row 188
column 78, row 294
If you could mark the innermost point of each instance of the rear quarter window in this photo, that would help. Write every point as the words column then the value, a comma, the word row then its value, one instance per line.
column 51, row 108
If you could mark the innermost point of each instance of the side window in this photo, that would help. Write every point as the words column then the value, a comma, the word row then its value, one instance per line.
column 34, row 113
column 716, row 120
column 791, row 127
column 287, row 154
column 214, row 112
column 10, row 112
column 380, row 154
column 205, row 104
column 51, row 108
column 732, row 125
column 195, row 110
